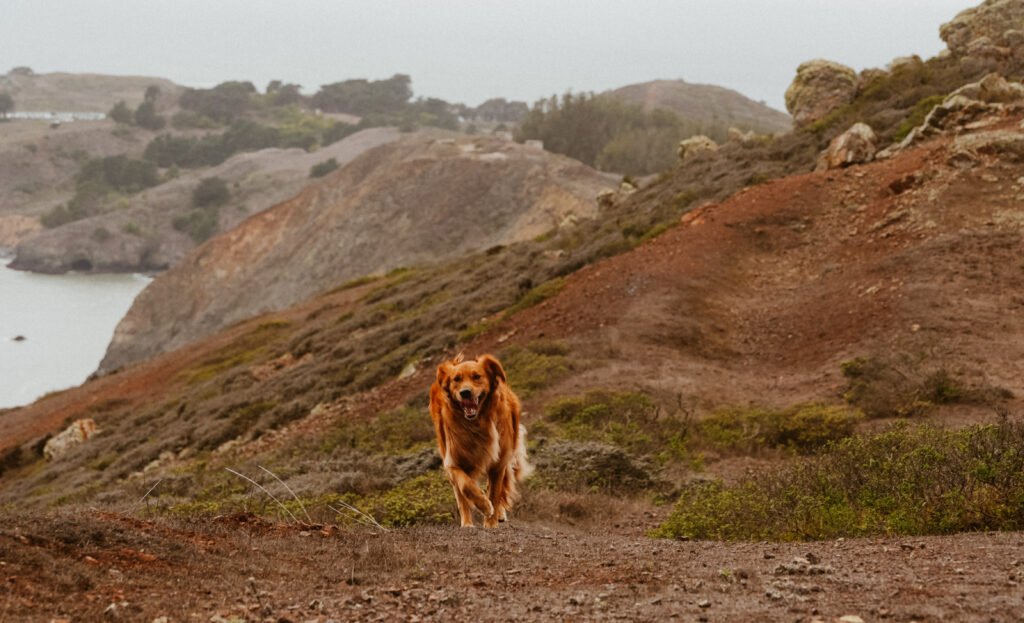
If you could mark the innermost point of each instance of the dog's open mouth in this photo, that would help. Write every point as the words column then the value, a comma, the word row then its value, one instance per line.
column 470, row 407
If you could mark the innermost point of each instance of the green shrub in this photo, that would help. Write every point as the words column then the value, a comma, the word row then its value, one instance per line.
column 802, row 428
column 538, row 294
column 917, row 116
column 628, row 420
column 323, row 168
column 881, row 389
column 424, row 500
column 404, row 430
column 906, row 481
column 198, row 224
column 533, row 368
column 211, row 191
column 132, row 229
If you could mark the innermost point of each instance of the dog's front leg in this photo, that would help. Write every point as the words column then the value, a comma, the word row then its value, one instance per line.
column 498, row 480
column 467, row 492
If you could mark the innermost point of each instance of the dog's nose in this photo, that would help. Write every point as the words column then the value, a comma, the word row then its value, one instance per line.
column 466, row 393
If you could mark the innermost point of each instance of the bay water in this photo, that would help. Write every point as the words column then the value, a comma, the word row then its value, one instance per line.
column 54, row 329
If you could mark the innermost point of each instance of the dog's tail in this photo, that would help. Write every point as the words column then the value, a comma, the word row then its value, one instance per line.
column 521, row 467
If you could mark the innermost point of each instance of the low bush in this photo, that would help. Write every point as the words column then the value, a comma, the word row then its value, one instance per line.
column 321, row 169
column 534, row 367
column 404, row 430
column 906, row 481
column 423, row 500
column 801, row 428
column 883, row 389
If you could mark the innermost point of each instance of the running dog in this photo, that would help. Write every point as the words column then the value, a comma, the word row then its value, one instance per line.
column 476, row 418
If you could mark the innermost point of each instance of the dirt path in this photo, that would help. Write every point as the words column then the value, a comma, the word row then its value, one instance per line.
column 73, row 566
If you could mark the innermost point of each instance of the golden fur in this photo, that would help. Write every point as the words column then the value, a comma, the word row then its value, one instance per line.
column 476, row 418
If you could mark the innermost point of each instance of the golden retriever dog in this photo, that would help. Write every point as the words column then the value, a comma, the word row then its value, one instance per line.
column 476, row 418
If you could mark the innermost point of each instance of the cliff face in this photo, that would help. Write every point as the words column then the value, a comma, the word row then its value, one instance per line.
column 413, row 201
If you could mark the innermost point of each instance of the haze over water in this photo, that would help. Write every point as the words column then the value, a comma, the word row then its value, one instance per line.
column 67, row 322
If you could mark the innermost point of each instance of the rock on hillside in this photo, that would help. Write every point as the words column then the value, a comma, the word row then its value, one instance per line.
column 142, row 236
column 819, row 87
column 63, row 92
column 407, row 202
column 988, row 37
column 707, row 103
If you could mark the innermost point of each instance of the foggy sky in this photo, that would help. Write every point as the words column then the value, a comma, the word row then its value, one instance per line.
column 465, row 50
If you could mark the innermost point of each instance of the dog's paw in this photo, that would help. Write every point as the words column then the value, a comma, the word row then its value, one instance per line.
column 491, row 522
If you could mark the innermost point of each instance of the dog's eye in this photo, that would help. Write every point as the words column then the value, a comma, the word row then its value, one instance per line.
column 476, row 377
column 458, row 379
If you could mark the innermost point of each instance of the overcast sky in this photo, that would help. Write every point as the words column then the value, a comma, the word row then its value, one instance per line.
column 470, row 50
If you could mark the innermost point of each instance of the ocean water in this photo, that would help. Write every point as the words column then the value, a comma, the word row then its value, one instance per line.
column 66, row 322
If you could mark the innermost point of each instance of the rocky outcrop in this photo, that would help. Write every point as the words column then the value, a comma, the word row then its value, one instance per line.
column 819, row 87
column 14, row 228
column 694, row 145
column 78, row 432
column 855, row 146
column 972, row 107
column 988, row 37
column 409, row 202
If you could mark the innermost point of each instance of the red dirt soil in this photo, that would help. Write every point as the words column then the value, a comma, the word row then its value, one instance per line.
column 74, row 566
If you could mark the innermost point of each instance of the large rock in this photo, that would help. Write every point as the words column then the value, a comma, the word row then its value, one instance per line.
column 988, row 37
column 855, row 146
column 983, row 29
column 819, row 88
column 972, row 106
column 694, row 145
column 78, row 432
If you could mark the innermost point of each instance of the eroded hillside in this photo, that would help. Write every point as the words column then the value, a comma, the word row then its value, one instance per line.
column 409, row 202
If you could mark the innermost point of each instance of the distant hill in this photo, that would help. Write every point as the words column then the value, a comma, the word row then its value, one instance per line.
column 707, row 103
column 415, row 200
column 63, row 92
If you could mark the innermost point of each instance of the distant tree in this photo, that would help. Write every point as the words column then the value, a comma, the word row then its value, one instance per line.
column 499, row 109
column 223, row 103
column 6, row 104
column 211, row 192
column 286, row 94
column 273, row 86
column 146, row 117
column 22, row 71
column 152, row 93
column 608, row 132
column 337, row 131
column 120, row 113
column 361, row 97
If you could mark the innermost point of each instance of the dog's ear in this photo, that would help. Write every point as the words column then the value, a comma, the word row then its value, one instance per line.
column 493, row 368
column 443, row 372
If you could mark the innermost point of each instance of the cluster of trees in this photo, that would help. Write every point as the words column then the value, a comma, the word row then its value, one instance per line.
column 145, row 116
column 96, row 181
column 610, row 134
column 192, row 152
